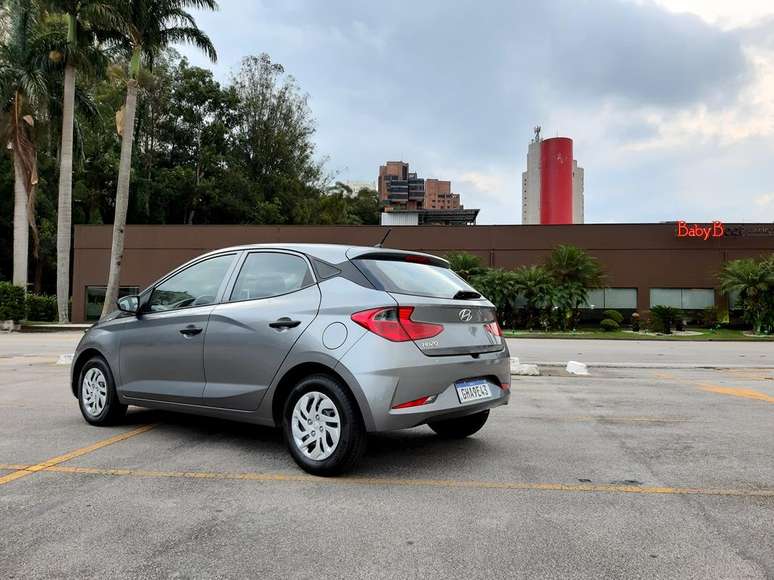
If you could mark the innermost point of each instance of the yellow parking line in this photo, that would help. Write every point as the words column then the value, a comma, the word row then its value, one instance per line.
column 73, row 454
column 12, row 466
column 745, row 393
column 441, row 483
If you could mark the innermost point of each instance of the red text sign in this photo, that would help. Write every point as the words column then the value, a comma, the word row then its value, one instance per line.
column 715, row 230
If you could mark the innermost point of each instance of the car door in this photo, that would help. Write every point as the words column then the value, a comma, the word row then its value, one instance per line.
column 161, row 355
column 273, row 299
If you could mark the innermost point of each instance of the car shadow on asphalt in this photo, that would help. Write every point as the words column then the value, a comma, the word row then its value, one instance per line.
column 385, row 449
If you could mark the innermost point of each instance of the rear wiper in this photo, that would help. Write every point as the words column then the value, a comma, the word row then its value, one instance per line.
column 466, row 295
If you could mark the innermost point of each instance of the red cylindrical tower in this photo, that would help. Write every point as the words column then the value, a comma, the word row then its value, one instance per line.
column 556, row 181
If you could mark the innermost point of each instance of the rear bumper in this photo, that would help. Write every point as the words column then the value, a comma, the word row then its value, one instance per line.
column 386, row 374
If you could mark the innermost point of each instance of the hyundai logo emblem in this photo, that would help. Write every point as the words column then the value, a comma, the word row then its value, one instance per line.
column 465, row 315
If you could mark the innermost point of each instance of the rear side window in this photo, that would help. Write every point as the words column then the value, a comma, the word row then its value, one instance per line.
column 418, row 279
column 267, row 274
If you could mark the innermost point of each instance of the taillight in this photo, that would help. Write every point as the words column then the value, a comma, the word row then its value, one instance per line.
column 494, row 328
column 395, row 324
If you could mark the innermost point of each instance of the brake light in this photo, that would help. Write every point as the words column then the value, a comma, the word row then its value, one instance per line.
column 416, row 402
column 395, row 324
column 494, row 328
column 417, row 259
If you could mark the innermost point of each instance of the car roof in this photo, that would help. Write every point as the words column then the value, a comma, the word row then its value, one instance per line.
column 333, row 253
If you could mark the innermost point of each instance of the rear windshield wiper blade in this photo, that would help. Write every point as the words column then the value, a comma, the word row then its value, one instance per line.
column 466, row 295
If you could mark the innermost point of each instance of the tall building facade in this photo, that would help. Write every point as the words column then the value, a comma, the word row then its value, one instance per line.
column 552, row 185
column 401, row 189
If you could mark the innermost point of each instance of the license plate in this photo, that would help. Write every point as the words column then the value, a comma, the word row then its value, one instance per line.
column 475, row 390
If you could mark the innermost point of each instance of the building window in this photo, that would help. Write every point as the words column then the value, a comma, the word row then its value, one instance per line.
column 623, row 298
column 685, row 298
column 95, row 298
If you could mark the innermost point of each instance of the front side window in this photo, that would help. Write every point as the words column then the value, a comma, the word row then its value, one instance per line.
column 194, row 286
column 267, row 274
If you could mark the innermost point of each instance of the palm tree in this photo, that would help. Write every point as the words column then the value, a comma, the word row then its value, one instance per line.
column 149, row 27
column 753, row 281
column 79, row 52
column 24, row 93
column 535, row 285
column 465, row 265
column 574, row 272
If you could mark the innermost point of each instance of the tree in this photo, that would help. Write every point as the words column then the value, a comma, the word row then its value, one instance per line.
column 24, row 91
column 499, row 287
column 273, row 141
column 753, row 281
column 574, row 272
column 536, row 286
column 465, row 265
column 79, row 51
column 149, row 26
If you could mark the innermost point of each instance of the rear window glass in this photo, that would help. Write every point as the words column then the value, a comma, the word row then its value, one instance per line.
column 412, row 278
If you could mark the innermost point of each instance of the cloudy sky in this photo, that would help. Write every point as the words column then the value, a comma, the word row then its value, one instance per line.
column 670, row 102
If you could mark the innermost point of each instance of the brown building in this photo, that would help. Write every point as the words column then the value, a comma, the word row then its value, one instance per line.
column 438, row 195
column 644, row 263
column 401, row 189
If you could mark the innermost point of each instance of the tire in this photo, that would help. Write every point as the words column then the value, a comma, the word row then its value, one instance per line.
column 314, row 408
column 97, row 396
column 460, row 427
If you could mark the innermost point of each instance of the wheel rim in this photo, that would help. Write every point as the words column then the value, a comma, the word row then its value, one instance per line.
column 316, row 425
column 94, row 391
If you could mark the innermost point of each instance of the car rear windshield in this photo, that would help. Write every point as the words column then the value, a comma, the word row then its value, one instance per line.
column 408, row 277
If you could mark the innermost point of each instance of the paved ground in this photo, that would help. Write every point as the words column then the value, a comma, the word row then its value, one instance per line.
column 644, row 353
column 646, row 473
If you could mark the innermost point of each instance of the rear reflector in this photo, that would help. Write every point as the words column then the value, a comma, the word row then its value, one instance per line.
column 505, row 386
column 395, row 324
column 416, row 402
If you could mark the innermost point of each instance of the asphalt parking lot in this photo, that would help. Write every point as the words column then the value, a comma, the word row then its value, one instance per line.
column 630, row 472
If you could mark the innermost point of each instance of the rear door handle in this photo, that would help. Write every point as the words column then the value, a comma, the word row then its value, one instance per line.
column 189, row 331
column 284, row 322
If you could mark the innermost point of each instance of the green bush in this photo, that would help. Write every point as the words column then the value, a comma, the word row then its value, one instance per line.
column 663, row 317
column 613, row 315
column 41, row 308
column 609, row 325
column 11, row 302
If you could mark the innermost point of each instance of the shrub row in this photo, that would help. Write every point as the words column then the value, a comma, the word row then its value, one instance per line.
column 16, row 305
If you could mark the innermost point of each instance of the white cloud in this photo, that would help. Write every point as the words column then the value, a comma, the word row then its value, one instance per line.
column 765, row 200
column 723, row 13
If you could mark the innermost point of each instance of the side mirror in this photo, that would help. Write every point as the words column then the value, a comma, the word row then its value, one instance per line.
column 129, row 304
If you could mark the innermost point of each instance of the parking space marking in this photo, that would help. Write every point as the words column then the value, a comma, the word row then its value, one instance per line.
column 745, row 393
column 605, row 418
column 438, row 483
column 29, row 470
column 12, row 466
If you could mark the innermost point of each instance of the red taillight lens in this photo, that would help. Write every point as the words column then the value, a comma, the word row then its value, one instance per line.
column 417, row 330
column 382, row 321
column 395, row 324
column 494, row 328
column 505, row 386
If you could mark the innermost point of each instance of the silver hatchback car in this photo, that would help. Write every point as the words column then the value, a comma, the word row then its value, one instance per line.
column 326, row 342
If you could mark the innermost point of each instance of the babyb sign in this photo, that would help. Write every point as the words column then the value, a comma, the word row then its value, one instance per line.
column 704, row 232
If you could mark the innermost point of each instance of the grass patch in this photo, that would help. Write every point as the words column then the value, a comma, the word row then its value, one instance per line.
column 594, row 333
